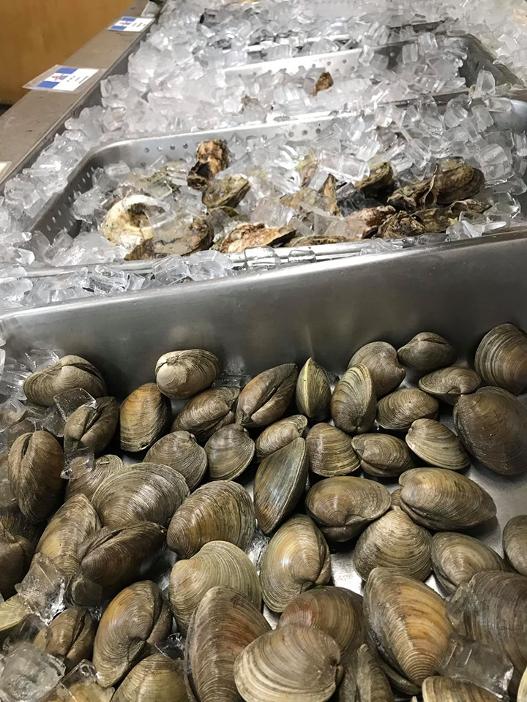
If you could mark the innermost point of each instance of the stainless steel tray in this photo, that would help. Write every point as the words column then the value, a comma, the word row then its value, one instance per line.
column 325, row 311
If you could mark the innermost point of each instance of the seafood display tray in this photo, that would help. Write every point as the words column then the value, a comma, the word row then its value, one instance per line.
column 326, row 311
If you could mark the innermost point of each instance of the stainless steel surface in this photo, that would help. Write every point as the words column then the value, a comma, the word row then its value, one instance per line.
column 325, row 311
column 34, row 120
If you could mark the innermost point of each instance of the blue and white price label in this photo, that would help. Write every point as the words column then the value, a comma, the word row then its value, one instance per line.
column 131, row 24
column 62, row 79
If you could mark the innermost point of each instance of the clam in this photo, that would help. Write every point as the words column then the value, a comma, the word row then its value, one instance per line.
column 135, row 619
column 92, row 426
column 491, row 424
column 181, row 451
column 112, row 559
column 297, row 558
column 212, row 157
column 156, row 678
column 12, row 613
column 436, row 445
column 313, row 391
column 456, row 557
column 448, row 384
column 372, row 683
column 279, row 484
column 74, row 522
column 80, row 685
column 439, row 689
column 230, row 451
column 330, row 451
column 492, row 609
column 34, row 467
column 444, row 500
column 182, row 374
column 144, row 492
column 290, row 663
column 396, row 498
column 396, row 543
column 334, row 610
column 426, row 352
column 216, row 563
column 380, row 358
column 207, row 412
column 144, row 416
column 69, row 636
column 218, row 511
column 266, row 397
column 382, row 455
column 353, row 403
column 522, row 690
column 16, row 552
column 399, row 409
column 515, row 543
column 408, row 623
column 223, row 624
column 69, row 373
column 85, row 483
column 279, row 434
column 344, row 505
column 501, row 358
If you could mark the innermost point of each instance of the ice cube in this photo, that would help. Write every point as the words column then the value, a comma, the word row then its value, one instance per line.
column 78, row 462
column 257, row 547
column 69, row 400
column 43, row 588
column 11, row 411
column 28, row 674
column 485, row 84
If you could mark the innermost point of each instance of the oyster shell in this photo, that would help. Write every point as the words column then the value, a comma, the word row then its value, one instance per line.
column 438, row 689
column 382, row 455
column 436, row 445
column 501, row 358
column 399, row 226
column 427, row 352
column 330, row 451
column 491, row 424
column 92, row 427
column 182, row 374
column 456, row 557
column 212, row 157
column 447, row 384
column 207, row 412
column 380, row 358
column 156, row 678
column 69, row 636
column 249, row 235
column 230, row 451
column 279, row 434
column 218, row 511
column 184, row 237
column 143, row 417
column 324, row 82
column 344, row 505
column 217, row 563
column 180, row 451
column 225, row 192
column 127, row 225
column 266, row 397
column 69, row 373
column 353, row 403
column 515, row 543
column 444, row 500
column 86, row 482
column 398, row 410
column 379, row 183
column 396, row 543
column 313, row 391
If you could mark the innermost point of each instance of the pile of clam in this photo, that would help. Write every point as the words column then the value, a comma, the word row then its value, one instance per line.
column 165, row 542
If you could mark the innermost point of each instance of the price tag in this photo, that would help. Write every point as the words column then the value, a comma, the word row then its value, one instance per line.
column 62, row 79
column 131, row 24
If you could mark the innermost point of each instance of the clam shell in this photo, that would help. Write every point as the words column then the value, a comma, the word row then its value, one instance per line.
column 313, row 391
column 522, row 690
column 16, row 552
column 156, row 678
column 334, row 610
column 382, row 455
column 69, row 373
column 501, row 358
column 223, row 624
column 447, row 384
column 182, row 374
column 266, row 397
column 230, row 450
column 380, row 358
column 291, row 662
column 515, row 543
column 85, row 483
column 216, row 563
column 181, row 451
column 296, row 559
column 399, row 409
column 330, row 451
column 491, row 424
column 136, row 618
column 144, row 492
column 436, row 445
column 92, row 427
column 396, row 543
column 217, row 511
column 69, row 636
column 444, row 500
column 372, row 683
column 438, row 689
column 353, row 403
column 279, row 434
column 144, row 416
column 457, row 557
column 409, row 624
column 426, row 352
column 207, row 412
column 12, row 613
column 344, row 505
column 279, row 484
